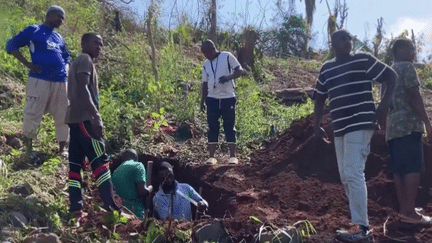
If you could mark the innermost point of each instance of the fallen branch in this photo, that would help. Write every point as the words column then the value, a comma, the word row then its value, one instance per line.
column 403, row 239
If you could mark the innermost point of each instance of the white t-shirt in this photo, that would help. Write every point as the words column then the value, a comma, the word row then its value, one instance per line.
column 223, row 65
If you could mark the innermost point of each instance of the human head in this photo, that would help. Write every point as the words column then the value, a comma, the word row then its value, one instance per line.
column 403, row 50
column 341, row 42
column 92, row 43
column 129, row 154
column 166, row 175
column 54, row 16
column 209, row 50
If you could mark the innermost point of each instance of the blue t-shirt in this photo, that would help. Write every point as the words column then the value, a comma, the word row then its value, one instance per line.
column 47, row 48
column 181, row 206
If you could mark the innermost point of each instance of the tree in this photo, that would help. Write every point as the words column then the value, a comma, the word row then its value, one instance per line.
column 292, row 36
column 213, row 22
column 378, row 37
column 310, row 10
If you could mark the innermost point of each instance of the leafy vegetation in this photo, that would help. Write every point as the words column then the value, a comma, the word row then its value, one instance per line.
column 128, row 99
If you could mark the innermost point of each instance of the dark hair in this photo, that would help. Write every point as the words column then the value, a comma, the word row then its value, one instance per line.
column 400, row 43
column 129, row 154
column 208, row 44
column 87, row 37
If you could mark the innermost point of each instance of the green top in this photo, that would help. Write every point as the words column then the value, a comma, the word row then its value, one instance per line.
column 124, row 179
column 402, row 120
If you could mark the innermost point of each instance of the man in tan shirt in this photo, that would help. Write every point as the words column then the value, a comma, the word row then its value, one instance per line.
column 86, row 127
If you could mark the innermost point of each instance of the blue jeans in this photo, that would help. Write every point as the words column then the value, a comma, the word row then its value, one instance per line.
column 352, row 150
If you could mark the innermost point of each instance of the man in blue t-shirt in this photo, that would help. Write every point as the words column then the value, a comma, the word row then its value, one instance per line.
column 46, row 90
column 174, row 199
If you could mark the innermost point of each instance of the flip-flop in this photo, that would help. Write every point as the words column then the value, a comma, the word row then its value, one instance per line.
column 211, row 161
column 233, row 161
column 425, row 220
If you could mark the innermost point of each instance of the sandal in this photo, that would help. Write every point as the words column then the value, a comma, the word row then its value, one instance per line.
column 233, row 161
column 211, row 161
column 424, row 220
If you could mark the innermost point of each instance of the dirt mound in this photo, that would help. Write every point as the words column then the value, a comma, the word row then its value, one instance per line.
column 295, row 178
column 11, row 92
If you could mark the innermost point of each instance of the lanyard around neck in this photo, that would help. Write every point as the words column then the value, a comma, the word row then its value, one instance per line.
column 214, row 70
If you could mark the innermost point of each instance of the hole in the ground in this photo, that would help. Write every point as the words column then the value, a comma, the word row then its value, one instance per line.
column 220, row 203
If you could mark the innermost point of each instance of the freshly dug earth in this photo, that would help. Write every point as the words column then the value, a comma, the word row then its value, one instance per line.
column 296, row 178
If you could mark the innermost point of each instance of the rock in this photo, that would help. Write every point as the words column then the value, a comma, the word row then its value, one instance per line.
column 3, row 169
column 14, row 142
column 3, row 140
column 7, row 232
column 297, row 131
column 18, row 219
column 23, row 189
column 42, row 238
column 184, row 132
column 213, row 232
column 185, row 87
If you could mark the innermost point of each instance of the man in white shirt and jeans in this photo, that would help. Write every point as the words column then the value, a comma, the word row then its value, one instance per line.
column 218, row 94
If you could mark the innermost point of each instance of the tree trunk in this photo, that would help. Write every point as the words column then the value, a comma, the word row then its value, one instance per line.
column 213, row 22
column 153, row 53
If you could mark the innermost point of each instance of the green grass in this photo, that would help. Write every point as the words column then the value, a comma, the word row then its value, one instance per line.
column 128, row 96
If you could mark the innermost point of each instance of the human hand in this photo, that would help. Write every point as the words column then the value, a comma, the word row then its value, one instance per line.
column 34, row 67
column 320, row 134
column 202, row 205
column 428, row 132
column 97, row 127
column 224, row 79
column 203, row 107
column 381, row 115
column 149, row 188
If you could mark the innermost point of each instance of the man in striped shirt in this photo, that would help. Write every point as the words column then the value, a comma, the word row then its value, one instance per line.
column 347, row 82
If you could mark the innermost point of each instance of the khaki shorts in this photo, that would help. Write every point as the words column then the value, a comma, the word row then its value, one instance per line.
column 45, row 97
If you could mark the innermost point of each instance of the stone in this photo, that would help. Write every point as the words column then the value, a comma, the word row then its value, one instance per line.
column 14, row 142
column 23, row 189
column 42, row 238
column 18, row 219
column 3, row 169
column 212, row 232
column 7, row 232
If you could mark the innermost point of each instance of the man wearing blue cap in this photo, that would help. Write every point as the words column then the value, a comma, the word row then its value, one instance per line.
column 46, row 90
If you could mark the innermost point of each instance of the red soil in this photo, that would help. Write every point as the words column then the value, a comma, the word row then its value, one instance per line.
column 296, row 178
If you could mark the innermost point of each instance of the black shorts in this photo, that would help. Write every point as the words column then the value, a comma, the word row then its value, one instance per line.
column 406, row 154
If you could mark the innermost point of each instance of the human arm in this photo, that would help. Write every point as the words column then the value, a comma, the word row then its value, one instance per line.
column 83, row 91
column 202, row 204
column 238, row 71
column 33, row 67
column 390, row 76
column 319, row 132
column 140, row 181
column 204, row 93
column 20, row 40
column 142, row 190
column 418, row 105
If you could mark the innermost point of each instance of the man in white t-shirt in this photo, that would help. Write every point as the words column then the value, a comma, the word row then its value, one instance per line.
column 218, row 94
